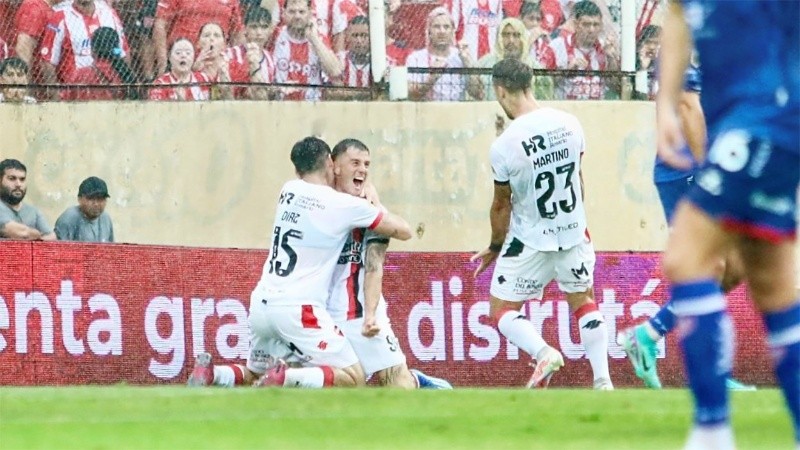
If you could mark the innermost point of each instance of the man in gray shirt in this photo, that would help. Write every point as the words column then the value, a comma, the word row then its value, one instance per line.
column 19, row 220
column 87, row 221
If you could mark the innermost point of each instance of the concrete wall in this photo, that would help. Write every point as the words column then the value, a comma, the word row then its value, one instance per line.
column 208, row 174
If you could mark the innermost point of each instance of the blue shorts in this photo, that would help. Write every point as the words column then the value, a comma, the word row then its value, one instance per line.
column 670, row 192
column 749, row 186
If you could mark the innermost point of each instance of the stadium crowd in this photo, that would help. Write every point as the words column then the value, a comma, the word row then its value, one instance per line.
column 290, row 49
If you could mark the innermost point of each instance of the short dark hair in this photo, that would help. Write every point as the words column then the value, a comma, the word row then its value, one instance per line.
column 11, row 164
column 359, row 20
column 585, row 8
column 286, row 3
column 529, row 7
column 13, row 63
column 512, row 74
column 309, row 155
column 346, row 143
column 257, row 15
column 650, row 31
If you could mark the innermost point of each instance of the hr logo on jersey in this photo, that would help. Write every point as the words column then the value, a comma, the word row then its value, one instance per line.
column 534, row 143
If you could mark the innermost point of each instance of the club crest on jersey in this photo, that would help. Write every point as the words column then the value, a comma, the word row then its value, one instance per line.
column 351, row 253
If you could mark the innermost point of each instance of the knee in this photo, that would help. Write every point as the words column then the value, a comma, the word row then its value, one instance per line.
column 397, row 376
column 352, row 376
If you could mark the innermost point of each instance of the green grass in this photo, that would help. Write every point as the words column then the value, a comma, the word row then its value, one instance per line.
column 174, row 417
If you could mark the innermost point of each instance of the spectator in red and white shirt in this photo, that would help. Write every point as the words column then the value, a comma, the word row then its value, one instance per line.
column 66, row 45
column 356, row 72
column 331, row 17
column 476, row 24
column 302, row 55
column 251, row 62
column 211, row 50
column 29, row 25
column 108, row 68
column 582, row 50
column 184, row 18
column 396, row 52
column 538, row 37
column 181, row 59
column 8, row 8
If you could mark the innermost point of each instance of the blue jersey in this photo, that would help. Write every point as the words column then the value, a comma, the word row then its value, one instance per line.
column 750, row 51
column 661, row 171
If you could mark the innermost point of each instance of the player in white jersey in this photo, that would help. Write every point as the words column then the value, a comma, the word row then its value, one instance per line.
column 288, row 316
column 356, row 303
column 539, row 225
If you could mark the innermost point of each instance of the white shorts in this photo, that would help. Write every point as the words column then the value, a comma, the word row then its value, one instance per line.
column 376, row 353
column 302, row 333
column 524, row 276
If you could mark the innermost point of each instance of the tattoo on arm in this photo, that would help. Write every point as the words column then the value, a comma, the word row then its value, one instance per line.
column 376, row 254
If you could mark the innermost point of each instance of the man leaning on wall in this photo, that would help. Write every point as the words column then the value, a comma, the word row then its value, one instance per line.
column 87, row 221
column 19, row 220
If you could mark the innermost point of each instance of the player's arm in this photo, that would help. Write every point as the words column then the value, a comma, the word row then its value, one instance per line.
column 393, row 226
column 693, row 122
column 373, row 283
column 674, row 58
column 499, row 217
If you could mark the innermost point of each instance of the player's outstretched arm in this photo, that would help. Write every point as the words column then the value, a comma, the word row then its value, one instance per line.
column 674, row 55
column 373, row 284
column 500, row 217
column 393, row 226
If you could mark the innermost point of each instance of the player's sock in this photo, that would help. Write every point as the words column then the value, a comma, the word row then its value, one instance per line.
column 719, row 437
column 706, row 338
column 228, row 375
column 662, row 323
column 521, row 332
column 594, row 337
column 783, row 330
column 309, row 377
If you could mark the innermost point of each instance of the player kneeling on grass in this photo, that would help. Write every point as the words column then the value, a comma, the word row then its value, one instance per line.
column 288, row 306
column 356, row 302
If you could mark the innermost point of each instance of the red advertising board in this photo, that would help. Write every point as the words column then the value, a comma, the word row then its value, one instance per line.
column 84, row 313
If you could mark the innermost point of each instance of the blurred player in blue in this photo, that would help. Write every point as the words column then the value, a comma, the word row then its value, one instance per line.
column 744, row 195
column 672, row 184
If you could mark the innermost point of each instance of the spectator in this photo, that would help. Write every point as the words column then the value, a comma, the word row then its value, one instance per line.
column 356, row 62
column 138, row 17
column 476, row 23
column 396, row 51
column 185, row 18
column 8, row 8
column 251, row 62
column 29, row 23
column 441, row 52
column 66, row 45
column 19, row 220
column 538, row 36
column 108, row 68
column 647, row 47
column 302, row 55
column 14, row 71
column 87, row 221
column 582, row 50
column 331, row 18
column 181, row 59
column 512, row 42
column 211, row 60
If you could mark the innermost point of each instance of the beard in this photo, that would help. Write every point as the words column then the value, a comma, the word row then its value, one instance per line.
column 8, row 197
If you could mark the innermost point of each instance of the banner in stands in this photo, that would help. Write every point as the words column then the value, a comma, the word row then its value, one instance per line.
column 83, row 313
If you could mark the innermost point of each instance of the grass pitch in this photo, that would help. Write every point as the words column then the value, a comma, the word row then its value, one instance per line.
column 174, row 417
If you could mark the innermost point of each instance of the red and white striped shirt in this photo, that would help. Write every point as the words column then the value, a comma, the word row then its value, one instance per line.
column 195, row 93
column 354, row 75
column 296, row 62
column 239, row 68
column 67, row 38
column 561, row 52
column 31, row 19
column 332, row 16
column 476, row 23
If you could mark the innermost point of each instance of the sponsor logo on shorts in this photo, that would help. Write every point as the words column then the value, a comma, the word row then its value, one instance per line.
column 781, row 206
column 526, row 285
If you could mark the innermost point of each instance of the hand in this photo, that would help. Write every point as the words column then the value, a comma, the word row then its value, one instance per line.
column 487, row 257
column 669, row 138
column 370, row 327
column 463, row 52
column 206, row 55
column 254, row 55
column 311, row 32
column 371, row 194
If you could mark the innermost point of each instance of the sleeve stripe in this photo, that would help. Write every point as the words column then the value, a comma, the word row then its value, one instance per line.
column 376, row 221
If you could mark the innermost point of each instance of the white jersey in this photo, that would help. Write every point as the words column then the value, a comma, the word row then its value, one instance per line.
column 346, row 300
column 539, row 155
column 311, row 225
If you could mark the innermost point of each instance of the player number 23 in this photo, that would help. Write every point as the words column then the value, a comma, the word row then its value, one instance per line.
column 546, row 186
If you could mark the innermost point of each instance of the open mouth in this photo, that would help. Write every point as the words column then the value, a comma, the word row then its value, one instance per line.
column 358, row 182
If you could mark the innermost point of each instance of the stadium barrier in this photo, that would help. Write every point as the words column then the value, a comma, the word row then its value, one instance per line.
column 100, row 314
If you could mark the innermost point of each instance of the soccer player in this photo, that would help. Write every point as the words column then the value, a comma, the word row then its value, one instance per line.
column 744, row 196
column 288, row 306
column 539, row 226
column 640, row 342
column 356, row 303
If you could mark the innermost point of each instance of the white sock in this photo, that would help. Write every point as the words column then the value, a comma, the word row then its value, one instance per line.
column 707, row 438
column 224, row 376
column 594, row 337
column 305, row 377
column 521, row 332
